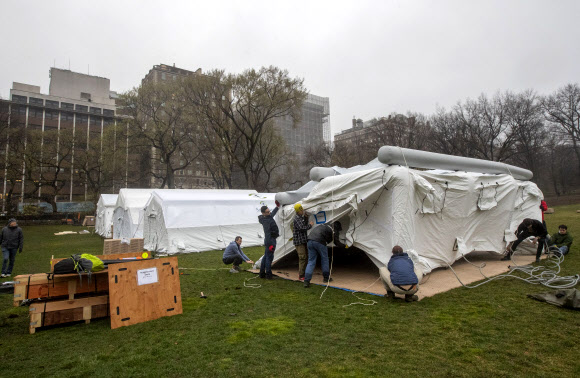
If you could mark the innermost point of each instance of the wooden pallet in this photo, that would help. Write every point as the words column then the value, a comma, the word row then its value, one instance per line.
column 49, row 313
column 111, row 246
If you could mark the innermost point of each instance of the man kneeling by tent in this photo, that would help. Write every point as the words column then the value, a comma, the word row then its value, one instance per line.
column 234, row 255
column 400, row 276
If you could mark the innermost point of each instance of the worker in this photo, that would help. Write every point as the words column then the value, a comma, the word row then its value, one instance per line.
column 271, row 232
column 11, row 241
column 562, row 239
column 300, row 239
column 400, row 276
column 528, row 227
column 233, row 254
column 318, row 240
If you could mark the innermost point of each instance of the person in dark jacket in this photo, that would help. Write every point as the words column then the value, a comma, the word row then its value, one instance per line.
column 562, row 239
column 529, row 227
column 233, row 254
column 318, row 240
column 300, row 239
column 402, row 275
column 271, row 232
column 11, row 241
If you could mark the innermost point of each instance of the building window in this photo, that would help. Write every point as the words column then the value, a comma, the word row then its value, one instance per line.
column 52, row 104
column 66, row 105
column 82, row 119
column 18, row 110
column 36, row 101
column 162, row 75
column 95, row 121
column 67, row 117
column 108, row 112
column 51, row 114
column 109, row 121
column 20, row 99
column 85, row 96
column 82, row 108
column 33, row 112
column 95, row 110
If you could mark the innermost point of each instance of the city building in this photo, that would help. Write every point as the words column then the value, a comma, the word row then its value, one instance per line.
column 312, row 130
column 79, row 103
column 195, row 176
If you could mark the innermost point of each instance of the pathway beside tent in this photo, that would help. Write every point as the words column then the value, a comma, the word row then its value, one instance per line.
column 182, row 221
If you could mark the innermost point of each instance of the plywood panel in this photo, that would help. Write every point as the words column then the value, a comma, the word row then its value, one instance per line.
column 137, row 296
column 111, row 246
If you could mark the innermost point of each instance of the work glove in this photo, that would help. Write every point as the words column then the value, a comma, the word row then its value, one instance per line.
column 271, row 248
column 277, row 203
column 20, row 250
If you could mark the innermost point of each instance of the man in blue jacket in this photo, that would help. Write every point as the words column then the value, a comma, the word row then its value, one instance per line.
column 11, row 240
column 319, row 238
column 402, row 275
column 234, row 255
column 271, row 232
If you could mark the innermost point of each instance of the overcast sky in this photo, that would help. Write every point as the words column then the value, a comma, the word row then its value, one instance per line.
column 371, row 58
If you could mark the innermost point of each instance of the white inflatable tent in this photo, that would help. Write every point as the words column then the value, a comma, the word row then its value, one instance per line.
column 104, row 216
column 128, row 214
column 182, row 221
column 438, row 216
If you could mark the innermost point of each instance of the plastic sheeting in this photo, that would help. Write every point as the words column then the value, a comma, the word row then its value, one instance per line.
column 436, row 216
column 104, row 216
column 181, row 221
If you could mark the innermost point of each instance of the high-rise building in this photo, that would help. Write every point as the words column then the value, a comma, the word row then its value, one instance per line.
column 196, row 175
column 78, row 103
column 313, row 129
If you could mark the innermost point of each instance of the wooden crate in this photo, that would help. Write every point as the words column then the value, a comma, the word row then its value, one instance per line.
column 113, row 246
column 89, row 221
column 48, row 313
column 45, row 286
column 144, row 290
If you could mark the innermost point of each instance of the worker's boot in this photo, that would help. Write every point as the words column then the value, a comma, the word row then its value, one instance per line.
column 306, row 283
column 390, row 294
column 411, row 298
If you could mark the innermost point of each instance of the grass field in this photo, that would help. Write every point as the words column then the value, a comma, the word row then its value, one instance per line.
column 282, row 329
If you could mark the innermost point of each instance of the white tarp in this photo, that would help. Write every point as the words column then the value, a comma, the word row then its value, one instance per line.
column 429, row 213
column 128, row 214
column 181, row 221
column 104, row 216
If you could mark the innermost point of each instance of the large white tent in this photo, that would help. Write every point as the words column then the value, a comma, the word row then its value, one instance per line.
column 438, row 216
column 180, row 221
column 104, row 217
column 128, row 214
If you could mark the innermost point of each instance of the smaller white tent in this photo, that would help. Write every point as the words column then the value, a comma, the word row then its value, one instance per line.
column 181, row 221
column 128, row 214
column 104, row 216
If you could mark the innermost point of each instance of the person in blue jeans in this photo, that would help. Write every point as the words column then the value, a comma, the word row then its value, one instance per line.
column 11, row 241
column 318, row 240
column 271, row 232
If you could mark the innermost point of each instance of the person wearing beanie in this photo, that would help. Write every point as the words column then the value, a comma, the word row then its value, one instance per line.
column 301, row 227
column 11, row 241
column 271, row 232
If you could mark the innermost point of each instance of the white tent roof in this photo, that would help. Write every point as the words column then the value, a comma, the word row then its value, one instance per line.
column 201, row 220
column 425, row 212
column 104, row 218
column 107, row 200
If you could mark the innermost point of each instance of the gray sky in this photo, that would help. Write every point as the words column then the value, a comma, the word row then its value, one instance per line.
column 371, row 58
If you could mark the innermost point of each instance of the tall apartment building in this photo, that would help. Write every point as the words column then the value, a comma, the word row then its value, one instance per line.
column 196, row 176
column 78, row 102
column 313, row 129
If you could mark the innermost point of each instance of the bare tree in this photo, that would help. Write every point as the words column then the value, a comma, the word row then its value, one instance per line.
column 562, row 108
column 159, row 122
column 238, row 108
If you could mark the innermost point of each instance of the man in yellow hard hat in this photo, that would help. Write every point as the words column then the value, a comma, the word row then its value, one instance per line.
column 301, row 227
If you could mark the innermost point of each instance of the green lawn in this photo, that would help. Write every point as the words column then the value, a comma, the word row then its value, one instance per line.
column 282, row 329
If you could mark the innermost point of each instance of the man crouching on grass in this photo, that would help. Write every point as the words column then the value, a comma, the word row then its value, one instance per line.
column 234, row 255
